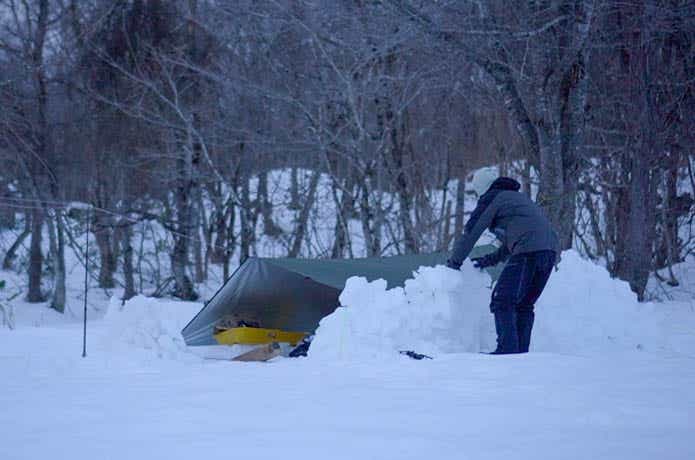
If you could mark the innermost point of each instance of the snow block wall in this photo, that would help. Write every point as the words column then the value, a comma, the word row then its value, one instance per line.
column 439, row 310
column 444, row 311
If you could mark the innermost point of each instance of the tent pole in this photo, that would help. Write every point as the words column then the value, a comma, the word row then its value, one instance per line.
column 86, row 285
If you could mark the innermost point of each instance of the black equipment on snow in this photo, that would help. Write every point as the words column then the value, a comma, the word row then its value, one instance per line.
column 413, row 355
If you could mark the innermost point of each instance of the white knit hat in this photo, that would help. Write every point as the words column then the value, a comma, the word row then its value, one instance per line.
column 483, row 179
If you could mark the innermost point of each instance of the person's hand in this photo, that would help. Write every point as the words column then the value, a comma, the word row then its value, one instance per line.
column 481, row 262
column 452, row 265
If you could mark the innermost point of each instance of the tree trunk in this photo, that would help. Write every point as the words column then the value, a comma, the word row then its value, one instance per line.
column 35, row 257
column 618, row 237
column 197, row 242
column 183, row 288
column 526, row 179
column 551, row 193
column 445, row 237
column 640, row 225
column 247, row 228
column 8, row 218
column 219, row 224
column 116, row 238
column 668, row 251
column 371, row 223
column 341, row 235
column 128, row 271
column 644, row 148
column 206, row 229
column 599, row 239
column 405, row 199
column 295, row 204
column 398, row 160
column 11, row 253
column 266, row 207
column 219, row 249
column 404, row 214
column 40, row 137
column 57, row 244
column 569, row 207
column 574, row 92
column 230, row 241
column 460, row 208
column 103, row 236
column 303, row 219
column 543, row 144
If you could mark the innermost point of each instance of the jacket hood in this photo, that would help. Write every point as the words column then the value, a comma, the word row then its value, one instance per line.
column 505, row 183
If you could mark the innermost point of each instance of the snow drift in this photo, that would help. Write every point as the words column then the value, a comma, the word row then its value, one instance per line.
column 444, row 311
column 152, row 326
column 582, row 311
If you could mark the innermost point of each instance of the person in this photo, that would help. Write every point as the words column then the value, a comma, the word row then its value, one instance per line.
column 528, row 242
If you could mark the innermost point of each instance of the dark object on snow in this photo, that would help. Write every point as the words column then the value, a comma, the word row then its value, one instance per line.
column 302, row 349
column 295, row 294
column 520, row 285
column 413, row 355
column 515, row 220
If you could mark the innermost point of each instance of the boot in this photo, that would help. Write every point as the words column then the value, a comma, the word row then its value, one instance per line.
column 507, row 335
column 524, row 325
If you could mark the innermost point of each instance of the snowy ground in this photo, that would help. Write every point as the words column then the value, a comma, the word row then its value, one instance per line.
column 542, row 405
column 607, row 378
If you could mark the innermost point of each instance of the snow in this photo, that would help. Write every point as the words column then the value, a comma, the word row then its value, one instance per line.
column 149, row 325
column 12, row 298
column 584, row 309
column 628, row 405
column 685, row 291
column 607, row 378
column 440, row 310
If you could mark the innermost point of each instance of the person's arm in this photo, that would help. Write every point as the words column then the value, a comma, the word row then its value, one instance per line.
column 492, row 259
column 481, row 218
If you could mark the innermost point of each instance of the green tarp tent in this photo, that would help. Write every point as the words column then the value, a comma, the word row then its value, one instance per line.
column 294, row 294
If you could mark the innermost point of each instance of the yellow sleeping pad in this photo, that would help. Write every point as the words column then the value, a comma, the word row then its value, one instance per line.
column 256, row 336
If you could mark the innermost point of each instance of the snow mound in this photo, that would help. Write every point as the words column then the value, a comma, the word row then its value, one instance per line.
column 443, row 311
column 584, row 309
column 439, row 310
column 149, row 325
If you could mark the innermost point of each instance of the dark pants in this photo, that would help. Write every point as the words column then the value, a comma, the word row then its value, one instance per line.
column 518, row 288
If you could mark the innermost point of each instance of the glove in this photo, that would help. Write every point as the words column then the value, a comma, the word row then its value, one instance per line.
column 453, row 265
column 482, row 262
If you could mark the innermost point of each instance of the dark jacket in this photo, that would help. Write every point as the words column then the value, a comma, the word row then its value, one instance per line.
column 514, row 218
